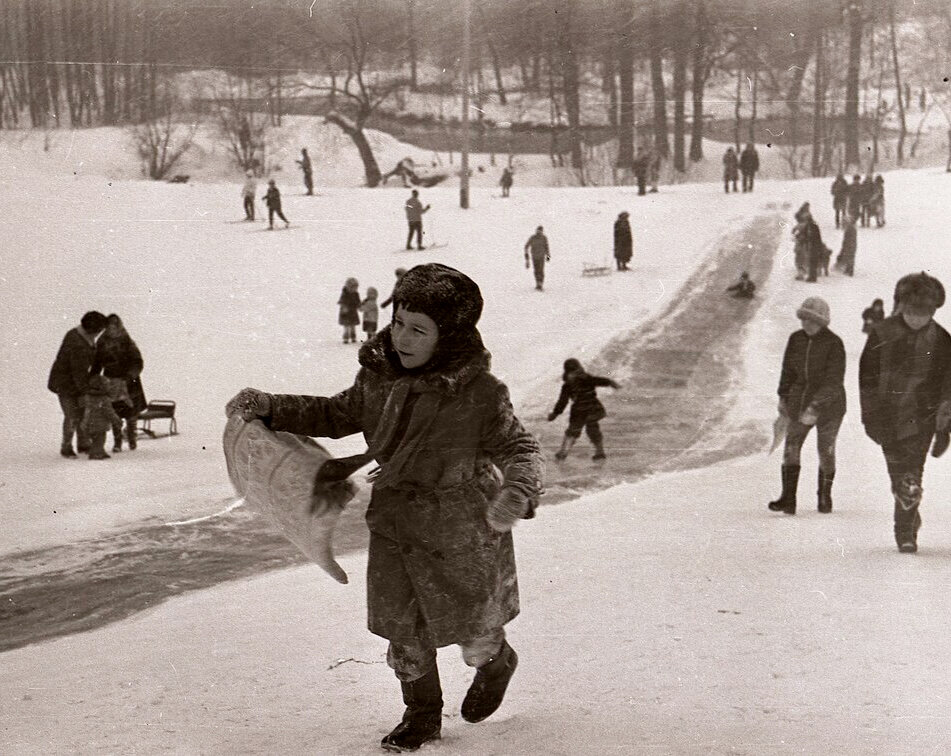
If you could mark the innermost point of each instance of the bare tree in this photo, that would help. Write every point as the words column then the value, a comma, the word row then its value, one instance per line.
column 161, row 140
column 243, row 129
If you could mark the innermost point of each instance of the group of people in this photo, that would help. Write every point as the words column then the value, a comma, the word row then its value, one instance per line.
column 904, row 393
column 746, row 163
column 271, row 199
column 352, row 308
column 96, row 377
column 859, row 201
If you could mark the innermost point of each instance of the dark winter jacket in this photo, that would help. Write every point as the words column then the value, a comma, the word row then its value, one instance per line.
column 730, row 164
column 506, row 180
column 537, row 245
column 579, row 388
column 749, row 160
column 349, row 307
column 811, row 238
column 903, row 376
column 623, row 242
column 415, row 210
column 813, row 374
column 120, row 358
column 840, row 191
column 447, row 442
column 272, row 198
column 70, row 372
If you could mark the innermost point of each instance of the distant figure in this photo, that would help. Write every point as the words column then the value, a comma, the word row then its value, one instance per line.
column 865, row 200
column 98, row 417
column 801, row 250
column 273, row 201
column 654, row 160
column 370, row 312
column 349, row 316
column 579, row 388
column 119, row 358
column 744, row 288
column 922, row 100
column 730, row 169
column 414, row 216
column 840, row 197
column 536, row 255
column 876, row 204
column 855, row 197
column 400, row 272
column 306, row 167
column 846, row 259
column 506, row 181
column 405, row 169
column 623, row 241
column 641, row 169
column 872, row 315
column 749, row 165
column 248, row 191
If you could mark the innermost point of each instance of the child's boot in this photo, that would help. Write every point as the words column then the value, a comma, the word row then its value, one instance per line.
column 116, row 441
column 131, row 432
column 488, row 689
column 422, row 720
column 787, row 499
column 825, row 491
column 566, row 443
column 598, row 451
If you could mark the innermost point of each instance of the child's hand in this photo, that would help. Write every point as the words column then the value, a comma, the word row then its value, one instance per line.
column 505, row 509
column 551, row 416
column 615, row 385
column 249, row 403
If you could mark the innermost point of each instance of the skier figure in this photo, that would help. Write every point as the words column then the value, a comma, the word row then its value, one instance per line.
column 536, row 255
column 273, row 201
column 744, row 288
column 414, row 216
column 872, row 315
column 623, row 241
column 370, row 312
column 811, row 393
column 349, row 316
column 399, row 272
column 840, row 197
column 749, row 165
column 905, row 388
column 730, row 169
column 306, row 167
column 248, row 191
column 506, row 181
column 457, row 471
column 579, row 388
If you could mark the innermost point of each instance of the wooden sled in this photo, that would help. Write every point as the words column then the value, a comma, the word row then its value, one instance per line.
column 595, row 269
column 158, row 409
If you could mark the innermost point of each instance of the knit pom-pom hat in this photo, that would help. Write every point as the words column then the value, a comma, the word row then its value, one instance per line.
column 815, row 309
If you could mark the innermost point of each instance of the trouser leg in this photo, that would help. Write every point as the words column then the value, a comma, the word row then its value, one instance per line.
column 905, row 460
column 479, row 651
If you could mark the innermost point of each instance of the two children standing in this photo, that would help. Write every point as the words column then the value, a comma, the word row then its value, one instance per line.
column 351, row 307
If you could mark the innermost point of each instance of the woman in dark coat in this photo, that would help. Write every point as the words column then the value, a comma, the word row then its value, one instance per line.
column 119, row 359
column 811, row 392
column 623, row 242
column 586, row 409
column 457, row 470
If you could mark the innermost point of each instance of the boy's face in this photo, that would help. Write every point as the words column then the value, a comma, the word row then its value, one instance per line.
column 414, row 336
column 917, row 318
column 811, row 327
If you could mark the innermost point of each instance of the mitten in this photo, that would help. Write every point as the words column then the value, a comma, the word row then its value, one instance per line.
column 250, row 404
column 941, row 441
column 527, row 263
column 808, row 416
column 943, row 416
column 505, row 509
column 552, row 416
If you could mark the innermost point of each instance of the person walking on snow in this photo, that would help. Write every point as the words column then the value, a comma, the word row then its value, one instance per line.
column 119, row 358
column 349, row 316
column 273, row 201
column 811, row 393
column 749, row 165
column 579, row 388
column 536, row 255
column 456, row 471
column 371, row 313
column 414, row 216
column 308, row 170
column 248, row 192
column 730, row 169
column 623, row 241
column 840, row 198
column 506, row 181
column 905, row 390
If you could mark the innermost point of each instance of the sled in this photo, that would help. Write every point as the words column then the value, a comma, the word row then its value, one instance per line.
column 158, row 409
column 595, row 269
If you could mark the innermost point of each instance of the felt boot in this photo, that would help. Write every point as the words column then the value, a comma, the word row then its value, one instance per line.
column 787, row 499
column 422, row 720
column 488, row 688
column 825, row 491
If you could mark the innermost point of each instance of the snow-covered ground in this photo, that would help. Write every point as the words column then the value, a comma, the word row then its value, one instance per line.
column 672, row 615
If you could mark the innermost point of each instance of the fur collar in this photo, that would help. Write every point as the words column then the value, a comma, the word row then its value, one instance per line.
column 378, row 356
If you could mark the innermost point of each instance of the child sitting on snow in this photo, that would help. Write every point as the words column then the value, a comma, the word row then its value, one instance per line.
column 349, row 316
column 744, row 288
column 586, row 409
column 98, row 417
column 371, row 313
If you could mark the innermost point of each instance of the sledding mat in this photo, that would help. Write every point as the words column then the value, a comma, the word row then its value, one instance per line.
column 275, row 472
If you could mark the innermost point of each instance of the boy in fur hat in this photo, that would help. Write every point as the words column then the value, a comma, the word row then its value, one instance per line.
column 456, row 471
column 905, row 385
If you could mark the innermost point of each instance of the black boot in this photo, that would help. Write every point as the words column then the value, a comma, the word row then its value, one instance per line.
column 787, row 499
column 488, row 689
column 422, row 720
column 598, row 451
column 825, row 491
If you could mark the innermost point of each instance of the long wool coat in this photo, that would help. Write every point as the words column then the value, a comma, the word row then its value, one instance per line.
column 813, row 373
column 70, row 371
column 623, row 243
column 580, row 389
column 447, row 443
column 120, row 358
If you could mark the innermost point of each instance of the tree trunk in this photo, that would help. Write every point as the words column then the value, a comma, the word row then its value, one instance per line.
column 680, row 89
column 661, row 143
column 817, row 108
column 354, row 130
column 903, row 131
column 411, row 44
column 493, row 54
column 854, row 12
column 754, row 87
column 698, row 82
column 736, row 108
column 625, row 121
column 795, row 88
column 569, row 64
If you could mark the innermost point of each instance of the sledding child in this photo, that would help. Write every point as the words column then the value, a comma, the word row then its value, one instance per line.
column 872, row 315
column 586, row 409
column 371, row 313
column 273, row 201
column 457, row 470
column 744, row 288
column 98, row 417
column 905, row 389
column 349, row 316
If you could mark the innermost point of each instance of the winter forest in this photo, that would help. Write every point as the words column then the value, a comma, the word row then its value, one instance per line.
column 475, row 376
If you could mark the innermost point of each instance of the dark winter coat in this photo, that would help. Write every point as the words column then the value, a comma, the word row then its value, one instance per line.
column 623, row 242
column 813, row 374
column 349, row 308
column 730, row 165
column 811, row 238
column 447, row 442
column 120, row 358
column 855, row 197
column 903, row 376
column 272, row 198
column 840, row 192
column 749, row 160
column 580, row 389
column 69, row 374
column 537, row 245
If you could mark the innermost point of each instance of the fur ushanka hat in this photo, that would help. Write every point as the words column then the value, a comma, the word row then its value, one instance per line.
column 919, row 291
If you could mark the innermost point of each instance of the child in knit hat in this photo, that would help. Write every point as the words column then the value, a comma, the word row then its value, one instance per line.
column 456, row 471
column 98, row 416
column 811, row 393
column 905, row 388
